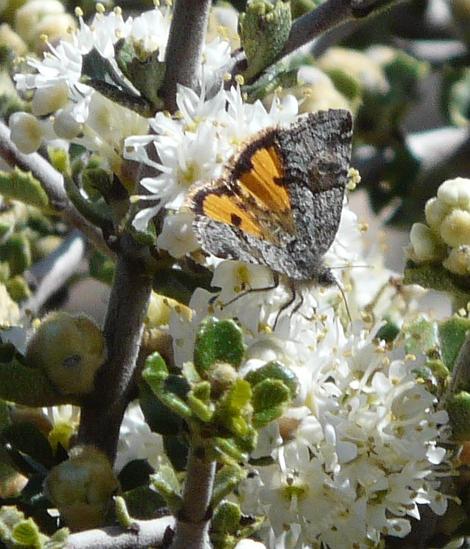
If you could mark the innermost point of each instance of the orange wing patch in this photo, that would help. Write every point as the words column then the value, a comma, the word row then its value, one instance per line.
column 262, row 180
column 224, row 208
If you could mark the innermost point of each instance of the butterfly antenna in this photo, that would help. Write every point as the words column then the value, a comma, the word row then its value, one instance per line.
column 343, row 295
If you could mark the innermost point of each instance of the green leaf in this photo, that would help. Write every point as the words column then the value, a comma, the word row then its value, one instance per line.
column 270, row 398
column 102, row 268
column 160, row 418
column 274, row 370
column 458, row 408
column 218, row 341
column 22, row 186
column 28, row 386
column 17, row 251
column 176, row 449
column 435, row 277
column 388, row 332
column 227, row 518
column 452, row 334
column 142, row 68
column 167, row 485
column 143, row 502
column 134, row 474
column 28, row 439
column 421, row 336
column 27, row 533
column 226, row 480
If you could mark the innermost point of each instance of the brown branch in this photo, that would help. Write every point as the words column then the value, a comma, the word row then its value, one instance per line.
column 102, row 413
column 306, row 28
column 193, row 520
column 184, row 48
column 53, row 184
column 147, row 533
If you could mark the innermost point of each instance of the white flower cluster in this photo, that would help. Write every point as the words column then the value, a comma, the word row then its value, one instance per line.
column 446, row 236
column 356, row 453
column 193, row 147
column 64, row 107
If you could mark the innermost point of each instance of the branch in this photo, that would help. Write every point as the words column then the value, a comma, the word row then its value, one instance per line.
column 53, row 184
column 102, row 413
column 193, row 520
column 148, row 533
column 306, row 28
column 51, row 273
column 184, row 48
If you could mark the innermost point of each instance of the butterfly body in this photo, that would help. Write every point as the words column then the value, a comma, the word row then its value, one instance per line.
column 279, row 200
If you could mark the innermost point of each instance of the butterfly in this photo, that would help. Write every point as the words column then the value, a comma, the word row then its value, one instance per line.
column 278, row 202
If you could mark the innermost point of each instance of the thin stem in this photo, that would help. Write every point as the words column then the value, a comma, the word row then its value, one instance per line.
column 147, row 533
column 461, row 371
column 51, row 273
column 184, row 48
column 306, row 28
column 192, row 525
column 53, row 184
column 102, row 413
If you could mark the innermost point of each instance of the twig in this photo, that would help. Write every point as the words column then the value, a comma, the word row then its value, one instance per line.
column 193, row 520
column 147, row 533
column 306, row 28
column 184, row 48
column 52, row 272
column 102, row 413
column 53, row 184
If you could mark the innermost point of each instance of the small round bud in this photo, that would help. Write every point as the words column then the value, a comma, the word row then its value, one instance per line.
column 28, row 17
column 65, row 126
column 455, row 192
column 10, row 39
column 26, row 132
column 455, row 228
column 82, row 487
column 425, row 245
column 458, row 261
column 70, row 350
column 435, row 211
column 48, row 100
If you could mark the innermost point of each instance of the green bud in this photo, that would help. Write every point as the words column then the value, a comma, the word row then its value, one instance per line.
column 18, row 288
column 69, row 350
column 17, row 251
column 264, row 29
column 82, row 487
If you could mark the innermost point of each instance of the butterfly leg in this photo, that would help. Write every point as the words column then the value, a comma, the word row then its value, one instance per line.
column 249, row 291
column 288, row 303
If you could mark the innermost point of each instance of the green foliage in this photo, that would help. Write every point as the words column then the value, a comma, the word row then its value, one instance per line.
column 167, row 485
column 22, row 186
column 218, row 341
column 458, row 408
column 264, row 29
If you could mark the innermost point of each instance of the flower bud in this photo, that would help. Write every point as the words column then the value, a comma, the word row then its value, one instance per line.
column 435, row 211
column 425, row 245
column 455, row 228
column 49, row 99
column 455, row 192
column 70, row 350
column 65, row 125
column 26, row 132
column 82, row 487
column 458, row 261
column 28, row 17
column 10, row 39
column 177, row 235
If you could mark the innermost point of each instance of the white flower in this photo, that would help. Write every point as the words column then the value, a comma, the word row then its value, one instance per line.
column 177, row 235
column 137, row 441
